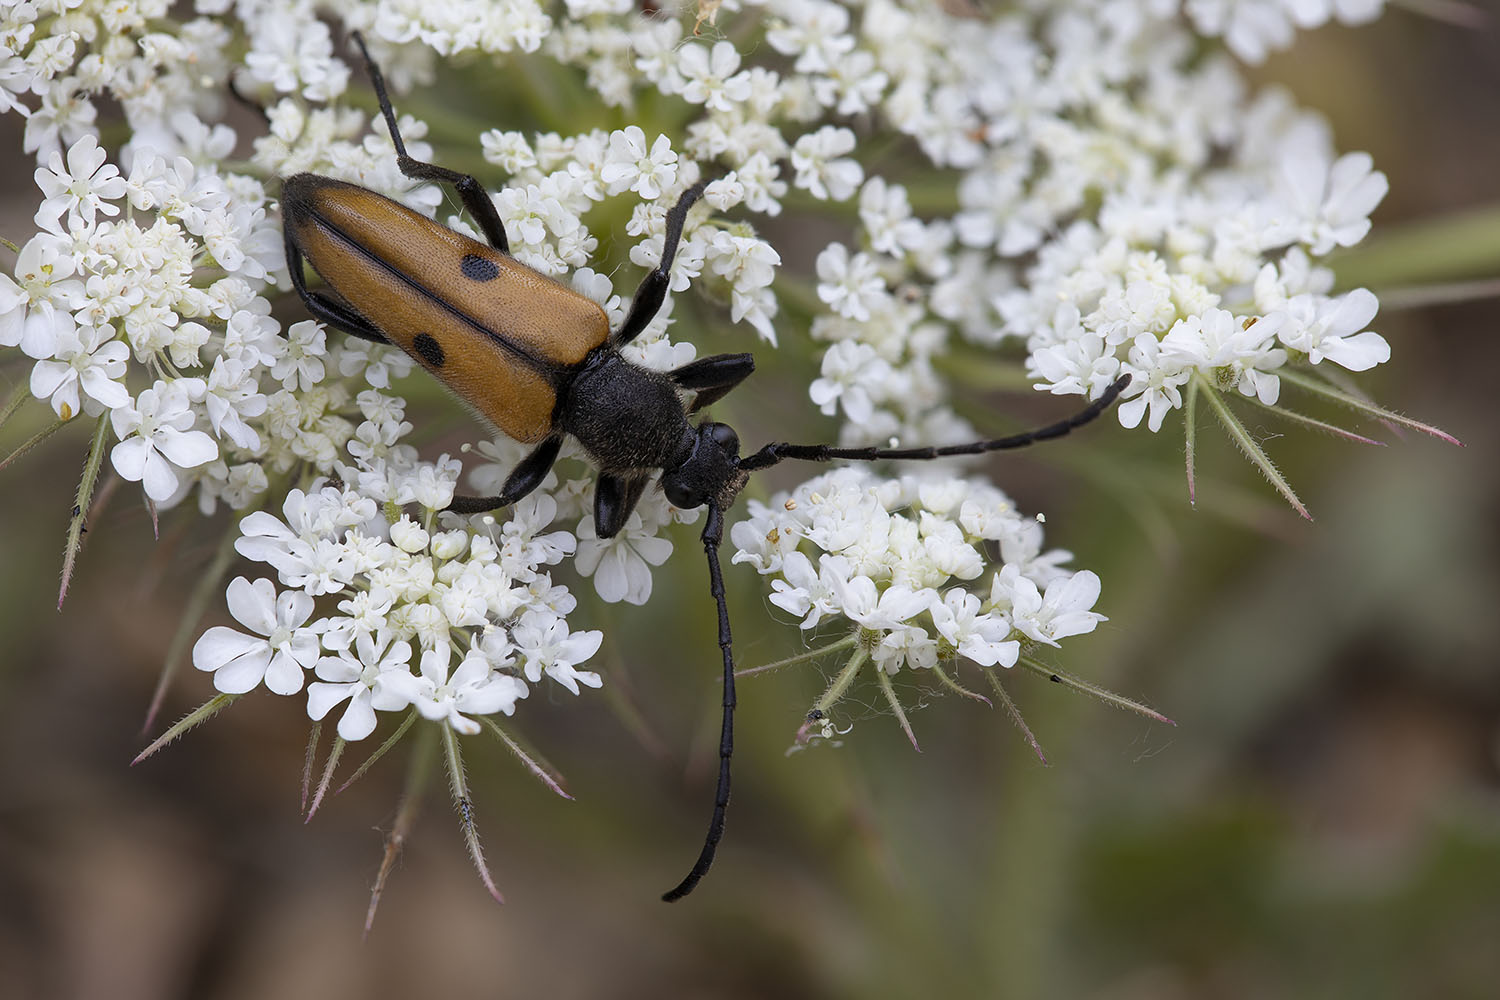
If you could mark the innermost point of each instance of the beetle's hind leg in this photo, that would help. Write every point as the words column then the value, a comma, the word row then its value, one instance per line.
column 474, row 197
column 324, row 308
column 524, row 478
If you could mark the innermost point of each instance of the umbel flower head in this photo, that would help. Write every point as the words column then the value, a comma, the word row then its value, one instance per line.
column 1120, row 201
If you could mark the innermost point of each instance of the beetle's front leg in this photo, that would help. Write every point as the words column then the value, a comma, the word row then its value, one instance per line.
column 712, row 377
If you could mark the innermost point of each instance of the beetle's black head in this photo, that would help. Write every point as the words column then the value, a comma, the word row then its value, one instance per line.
column 710, row 471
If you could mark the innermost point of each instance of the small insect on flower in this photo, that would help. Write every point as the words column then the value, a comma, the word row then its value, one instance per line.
column 539, row 361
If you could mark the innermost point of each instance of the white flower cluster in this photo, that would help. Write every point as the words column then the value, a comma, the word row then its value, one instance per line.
column 897, row 558
column 1121, row 205
column 143, row 299
column 451, row 623
column 1216, row 284
column 555, row 181
column 1254, row 28
column 1124, row 204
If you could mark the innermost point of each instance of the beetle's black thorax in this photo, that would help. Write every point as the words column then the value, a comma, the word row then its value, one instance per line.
column 627, row 417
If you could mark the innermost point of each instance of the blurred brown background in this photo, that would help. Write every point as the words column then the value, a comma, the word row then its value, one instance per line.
column 1324, row 821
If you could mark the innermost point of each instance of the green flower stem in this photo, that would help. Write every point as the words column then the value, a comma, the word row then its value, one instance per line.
column 534, row 762
column 1423, row 296
column 195, row 718
column 334, row 753
column 418, row 770
column 1456, row 247
column 1316, row 424
column 1015, row 714
column 982, row 370
column 21, row 394
column 384, row 748
column 1251, row 448
column 957, row 688
column 205, row 591
column 1103, row 694
column 884, row 680
column 841, row 683
column 33, row 441
column 1369, row 409
column 1190, row 439
column 458, row 784
column 81, row 501
column 309, row 759
column 811, row 654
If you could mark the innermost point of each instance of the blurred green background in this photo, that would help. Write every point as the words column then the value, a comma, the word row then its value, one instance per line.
column 1323, row 822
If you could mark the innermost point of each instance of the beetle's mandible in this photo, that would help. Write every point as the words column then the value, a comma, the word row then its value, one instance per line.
column 539, row 361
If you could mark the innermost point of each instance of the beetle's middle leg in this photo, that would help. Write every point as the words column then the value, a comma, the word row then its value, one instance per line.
column 615, row 497
column 474, row 197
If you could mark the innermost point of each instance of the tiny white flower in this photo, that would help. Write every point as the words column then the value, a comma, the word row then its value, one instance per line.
column 475, row 687
column 1156, row 382
column 157, row 440
column 1329, row 205
column 1239, row 355
column 808, row 592
column 1063, row 609
column 361, row 677
column 83, row 189
column 621, row 566
column 88, row 359
column 821, row 166
column 850, row 285
column 983, row 638
column 851, row 371
column 543, row 641
column 862, row 602
column 709, row 76
column 302, row 365
column 278, row 652
column 633, row 167
column 1334, row 328
column 36, row 308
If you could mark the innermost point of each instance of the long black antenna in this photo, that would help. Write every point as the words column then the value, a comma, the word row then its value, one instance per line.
column 781, row 451
column 713, row 533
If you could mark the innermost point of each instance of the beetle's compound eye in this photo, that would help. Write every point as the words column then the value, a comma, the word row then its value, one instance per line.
column 725, row 437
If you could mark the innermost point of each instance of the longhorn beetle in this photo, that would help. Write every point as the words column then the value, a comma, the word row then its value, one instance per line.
column 539, row 361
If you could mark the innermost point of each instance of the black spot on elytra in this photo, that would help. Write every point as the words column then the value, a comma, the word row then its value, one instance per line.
column 478, row 268
column 429, row 350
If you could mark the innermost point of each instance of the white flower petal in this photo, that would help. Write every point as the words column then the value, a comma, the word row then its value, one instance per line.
column 321, row 697
column 243, row 673
column 220, row 644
